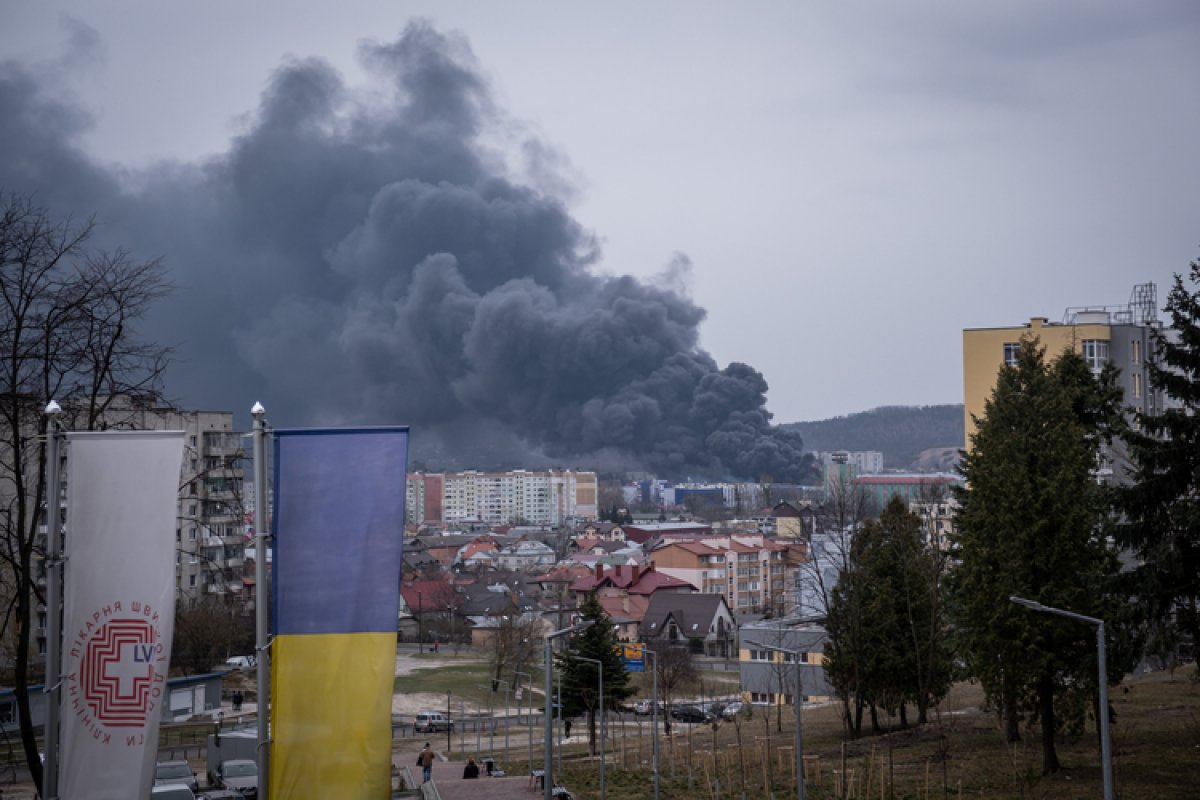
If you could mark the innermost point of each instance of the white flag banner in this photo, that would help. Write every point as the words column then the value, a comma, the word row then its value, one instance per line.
column 118, row 609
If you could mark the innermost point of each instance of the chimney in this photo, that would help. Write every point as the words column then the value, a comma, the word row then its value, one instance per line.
column 599, row 571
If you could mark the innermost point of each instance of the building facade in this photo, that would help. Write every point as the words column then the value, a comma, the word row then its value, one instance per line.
column 1117, row 335
column 519, row 497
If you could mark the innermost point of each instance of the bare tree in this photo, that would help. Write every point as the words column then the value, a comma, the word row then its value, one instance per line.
column 68, row 331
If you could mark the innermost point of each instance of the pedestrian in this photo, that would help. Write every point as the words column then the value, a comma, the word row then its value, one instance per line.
column 471, row 770
column 425, row 760
column 567, row 728
column 237, row 701
column 435, row 645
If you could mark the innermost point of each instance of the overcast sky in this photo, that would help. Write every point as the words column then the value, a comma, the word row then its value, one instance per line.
column 841, row 187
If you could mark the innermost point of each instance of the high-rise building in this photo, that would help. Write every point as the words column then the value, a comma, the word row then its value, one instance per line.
column 519, row 497
column 1118, row 335
column 211, row 526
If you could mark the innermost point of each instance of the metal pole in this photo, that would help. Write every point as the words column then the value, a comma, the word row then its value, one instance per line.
column 450, row 727
column 1102, row 658
column 420, row 624
column 547, row 725
column 462, row 728
column 54, row 567
column 262, row 641
column 548, row 754
column 795, row 654
column 1105, row 745
column 529, row 718
column 654, row 718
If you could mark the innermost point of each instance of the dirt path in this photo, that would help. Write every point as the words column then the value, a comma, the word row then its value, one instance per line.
column 412, row 703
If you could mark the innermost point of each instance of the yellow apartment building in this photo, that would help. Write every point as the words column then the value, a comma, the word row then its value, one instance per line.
column 1118, row 335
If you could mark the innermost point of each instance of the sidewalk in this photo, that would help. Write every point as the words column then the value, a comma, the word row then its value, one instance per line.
column 451, row 786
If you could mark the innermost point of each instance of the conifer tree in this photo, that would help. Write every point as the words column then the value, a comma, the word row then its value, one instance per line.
column 1162, row 505
column 580, row 679
column 1028, row 526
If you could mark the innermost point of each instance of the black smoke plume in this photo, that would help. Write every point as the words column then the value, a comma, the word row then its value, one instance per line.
column 371, row 257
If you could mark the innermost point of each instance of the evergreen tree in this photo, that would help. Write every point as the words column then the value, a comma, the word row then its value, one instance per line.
column 1162, row 506
column 886, row 626
column 1028, row 526
column 580, row 679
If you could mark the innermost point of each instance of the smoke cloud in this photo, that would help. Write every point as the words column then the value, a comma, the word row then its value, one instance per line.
column 369, row 255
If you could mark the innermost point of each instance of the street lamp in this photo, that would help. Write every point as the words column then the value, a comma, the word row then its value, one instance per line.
column 795, row 654
column 600, row 672
column 420, row 624
column 548, row 747
column 1105, row 747
column 654, row 715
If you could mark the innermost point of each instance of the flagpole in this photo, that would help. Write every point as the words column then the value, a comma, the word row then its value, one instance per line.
column 262, row 644
column 53, row 602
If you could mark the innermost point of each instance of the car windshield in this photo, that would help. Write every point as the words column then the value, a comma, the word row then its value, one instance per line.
column 242, row 769
column 173, row 771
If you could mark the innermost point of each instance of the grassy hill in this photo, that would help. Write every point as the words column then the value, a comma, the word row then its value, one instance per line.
column 901, row 433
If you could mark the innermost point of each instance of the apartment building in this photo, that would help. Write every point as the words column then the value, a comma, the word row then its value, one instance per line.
column 519, row 497
column 748, row 569
column 211, row 531
column 1118, row 335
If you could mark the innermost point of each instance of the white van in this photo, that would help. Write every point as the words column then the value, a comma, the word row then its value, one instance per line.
column 432, row 722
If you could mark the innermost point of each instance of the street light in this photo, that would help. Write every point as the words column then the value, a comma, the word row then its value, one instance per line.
column 653, row 715
column 548, row 747
column 1105, row 747
column 600, row 672
column 420, row 625
column 795, row 654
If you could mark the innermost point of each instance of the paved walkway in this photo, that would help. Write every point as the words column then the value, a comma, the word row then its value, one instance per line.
column 450, row 784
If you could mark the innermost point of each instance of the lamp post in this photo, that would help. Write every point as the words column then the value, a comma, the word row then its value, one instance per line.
column 795, row 654
column 1105, row 746
column 507, row 687
column 600, row 672
column 262, row 630
column 653, row 715
column 548, row 748
column 54, row 568
column 529, row 718
column 420, row 624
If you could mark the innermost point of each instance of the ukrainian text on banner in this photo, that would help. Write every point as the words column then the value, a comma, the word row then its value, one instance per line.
column 338, row 528
column 118, row 609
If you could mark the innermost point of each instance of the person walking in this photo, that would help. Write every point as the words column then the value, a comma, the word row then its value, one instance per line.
column 237, row 701
column 425, row 759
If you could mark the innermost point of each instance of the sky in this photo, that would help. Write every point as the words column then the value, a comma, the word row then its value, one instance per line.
column 569, row 220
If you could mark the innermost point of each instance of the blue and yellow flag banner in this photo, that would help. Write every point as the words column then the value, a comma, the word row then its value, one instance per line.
column 338, row 528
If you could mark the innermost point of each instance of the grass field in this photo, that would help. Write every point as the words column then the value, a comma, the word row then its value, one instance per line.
column 959, row 754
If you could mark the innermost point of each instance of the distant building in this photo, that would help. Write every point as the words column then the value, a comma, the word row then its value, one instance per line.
column 909, row 487
column 865, row 462
column 519, row 497
column 768, row 676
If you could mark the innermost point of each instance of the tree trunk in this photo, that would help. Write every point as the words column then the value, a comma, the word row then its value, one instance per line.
column 903, row 715
column 1012, row 728
column 1045, row 690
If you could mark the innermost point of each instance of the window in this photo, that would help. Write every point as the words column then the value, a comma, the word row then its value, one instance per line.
column 1137, row 384
column 1135, row 351
column 1010, row 353
column 1095, row 353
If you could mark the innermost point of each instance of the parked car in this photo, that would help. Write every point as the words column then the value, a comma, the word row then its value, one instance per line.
column 175, row 772
column 643, row 707
column 733, row 709
column 691, row 713
column 220, row 794
column 240, row 662
column 432, row 722
column 240, row 775
column 172, row 791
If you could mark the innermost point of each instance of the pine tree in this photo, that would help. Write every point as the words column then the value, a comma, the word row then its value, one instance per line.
column 1028, row 526
column 1162, row 506
column 580, row 679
